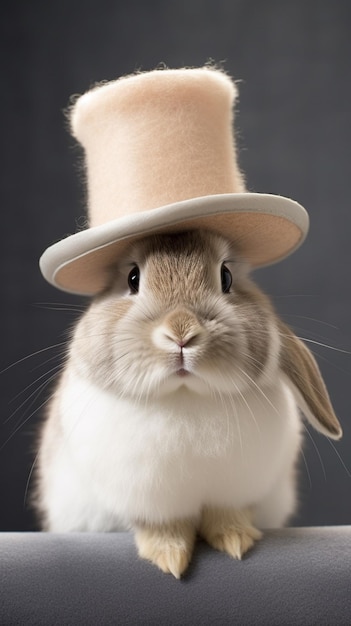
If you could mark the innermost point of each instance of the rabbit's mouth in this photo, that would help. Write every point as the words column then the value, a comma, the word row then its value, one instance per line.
column 181, row 363
column 182, row 372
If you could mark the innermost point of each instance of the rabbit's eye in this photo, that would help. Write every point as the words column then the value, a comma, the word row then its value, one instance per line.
column 226, row 279
column 134, row 279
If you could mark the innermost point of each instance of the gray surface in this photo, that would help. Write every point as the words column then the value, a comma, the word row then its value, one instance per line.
column 293, row 576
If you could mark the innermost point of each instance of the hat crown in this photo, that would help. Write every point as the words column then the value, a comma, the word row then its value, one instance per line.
column 156, row 138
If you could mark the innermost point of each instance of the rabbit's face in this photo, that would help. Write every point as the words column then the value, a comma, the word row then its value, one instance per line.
column 181, row 313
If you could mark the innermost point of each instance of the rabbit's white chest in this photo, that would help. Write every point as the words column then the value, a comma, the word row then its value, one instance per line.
column 167, row 459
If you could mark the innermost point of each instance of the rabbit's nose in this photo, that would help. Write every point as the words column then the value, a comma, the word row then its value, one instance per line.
column 190, row 339
column 179, row 329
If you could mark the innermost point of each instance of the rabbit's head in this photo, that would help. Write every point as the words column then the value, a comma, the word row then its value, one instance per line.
column 181, row 315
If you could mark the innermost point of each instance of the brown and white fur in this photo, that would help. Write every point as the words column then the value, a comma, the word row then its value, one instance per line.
column 177, row 412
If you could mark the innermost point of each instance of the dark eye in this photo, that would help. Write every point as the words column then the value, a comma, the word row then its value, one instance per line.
column 226, row 279
column 134, row 279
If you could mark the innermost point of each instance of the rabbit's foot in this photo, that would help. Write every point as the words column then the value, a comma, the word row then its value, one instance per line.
column 228, row 530
column 169, row 546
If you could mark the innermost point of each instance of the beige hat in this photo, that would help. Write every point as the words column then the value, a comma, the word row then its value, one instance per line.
column 160, row 157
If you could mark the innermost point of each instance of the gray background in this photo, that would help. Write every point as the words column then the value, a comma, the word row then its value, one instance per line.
column 293, row 118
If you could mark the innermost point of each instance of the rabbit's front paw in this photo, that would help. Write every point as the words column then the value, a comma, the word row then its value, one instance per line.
column 169, row 546
column 229, row 530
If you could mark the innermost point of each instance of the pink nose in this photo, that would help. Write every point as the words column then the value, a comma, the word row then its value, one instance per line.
column 179, row 329
column 187, row 341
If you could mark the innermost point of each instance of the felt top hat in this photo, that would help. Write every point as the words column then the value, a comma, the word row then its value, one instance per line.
column 160, row 157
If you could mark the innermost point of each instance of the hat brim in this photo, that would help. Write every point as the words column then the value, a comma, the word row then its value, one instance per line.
column 266, row 228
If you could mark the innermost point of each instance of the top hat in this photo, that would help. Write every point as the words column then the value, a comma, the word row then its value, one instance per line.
column 161, row 158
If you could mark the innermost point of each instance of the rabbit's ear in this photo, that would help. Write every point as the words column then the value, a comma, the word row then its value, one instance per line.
column 306, row 382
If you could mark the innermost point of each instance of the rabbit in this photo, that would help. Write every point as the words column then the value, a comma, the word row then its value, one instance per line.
column 177, row 412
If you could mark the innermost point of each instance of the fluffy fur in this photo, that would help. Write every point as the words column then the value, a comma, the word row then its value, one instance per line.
column 177, row 410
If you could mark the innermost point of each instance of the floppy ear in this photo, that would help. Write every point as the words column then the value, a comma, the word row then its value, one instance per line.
column 306, row 382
